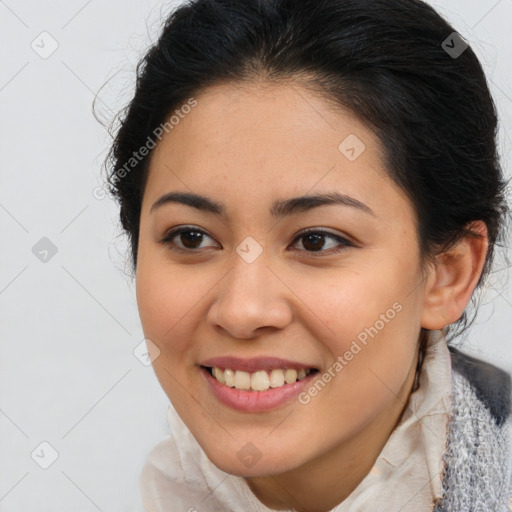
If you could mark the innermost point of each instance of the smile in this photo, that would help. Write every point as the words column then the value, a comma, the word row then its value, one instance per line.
column 245, row 386
column 260, row 380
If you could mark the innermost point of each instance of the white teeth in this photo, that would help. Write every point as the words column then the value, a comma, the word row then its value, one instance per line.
column 218, row 374
column 276, row 378
column 242, row 380
column 229, row 377
column 290, row 376
column 260, row 380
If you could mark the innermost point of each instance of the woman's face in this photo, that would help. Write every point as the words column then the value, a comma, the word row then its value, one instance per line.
column 244, row 290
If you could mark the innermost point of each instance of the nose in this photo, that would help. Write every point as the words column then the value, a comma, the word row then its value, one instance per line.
column 250, row 298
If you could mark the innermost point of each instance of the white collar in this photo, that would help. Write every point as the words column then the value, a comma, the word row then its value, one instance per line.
column 406, row 476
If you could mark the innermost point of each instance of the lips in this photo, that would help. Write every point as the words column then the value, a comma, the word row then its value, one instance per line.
column 255, row 401
column 256, row 384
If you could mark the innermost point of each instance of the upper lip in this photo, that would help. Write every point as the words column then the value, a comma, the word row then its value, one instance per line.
column 254, row 364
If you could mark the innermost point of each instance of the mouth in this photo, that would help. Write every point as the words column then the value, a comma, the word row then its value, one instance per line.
column 255, row 385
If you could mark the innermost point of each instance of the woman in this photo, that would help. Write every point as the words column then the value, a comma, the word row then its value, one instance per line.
column 312, row 195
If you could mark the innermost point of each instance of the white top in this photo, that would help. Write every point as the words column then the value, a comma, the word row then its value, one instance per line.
column 407, row 475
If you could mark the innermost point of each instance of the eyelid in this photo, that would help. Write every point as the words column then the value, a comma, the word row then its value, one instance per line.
column 343, row 240
column 176, row 231
column 324, row 231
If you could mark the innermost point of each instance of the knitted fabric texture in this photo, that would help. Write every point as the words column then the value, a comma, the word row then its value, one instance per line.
column 477, row 472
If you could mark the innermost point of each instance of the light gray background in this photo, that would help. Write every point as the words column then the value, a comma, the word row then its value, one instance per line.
column 69, row 326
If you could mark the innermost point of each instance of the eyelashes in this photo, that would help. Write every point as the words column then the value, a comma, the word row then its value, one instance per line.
column 314, row 237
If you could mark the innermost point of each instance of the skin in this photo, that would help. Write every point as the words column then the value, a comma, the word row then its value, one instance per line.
column 247, row 146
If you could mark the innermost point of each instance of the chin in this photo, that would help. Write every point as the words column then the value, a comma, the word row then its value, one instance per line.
column 248, row 461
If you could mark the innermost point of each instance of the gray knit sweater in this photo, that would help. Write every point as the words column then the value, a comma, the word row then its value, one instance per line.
column 477, row 474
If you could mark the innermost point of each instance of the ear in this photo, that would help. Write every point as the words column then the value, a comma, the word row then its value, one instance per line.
column 453, row 277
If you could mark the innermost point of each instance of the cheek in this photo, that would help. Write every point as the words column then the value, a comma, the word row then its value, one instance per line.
column 163, row 299
column 170, row 300
column 164, row 311
column 373, row 318
column 383, row 291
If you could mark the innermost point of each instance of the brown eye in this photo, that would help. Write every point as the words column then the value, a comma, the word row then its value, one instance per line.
column 314, row 241
column 189, row 239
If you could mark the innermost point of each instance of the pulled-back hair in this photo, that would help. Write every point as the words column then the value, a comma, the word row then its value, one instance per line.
column 384, row 60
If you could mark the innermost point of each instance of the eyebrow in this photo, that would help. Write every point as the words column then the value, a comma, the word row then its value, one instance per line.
column 280, row 208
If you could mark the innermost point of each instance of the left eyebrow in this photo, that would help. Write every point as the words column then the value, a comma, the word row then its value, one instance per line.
column 280, row 208
column 293, row 205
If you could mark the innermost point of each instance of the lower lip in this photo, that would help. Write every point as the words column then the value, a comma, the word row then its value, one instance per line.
column 255, row 401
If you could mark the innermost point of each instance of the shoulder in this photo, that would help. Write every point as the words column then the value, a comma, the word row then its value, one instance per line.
column 477, row 463
column 491, row 384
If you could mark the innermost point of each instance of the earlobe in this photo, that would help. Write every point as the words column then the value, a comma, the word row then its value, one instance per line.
column 453, row 278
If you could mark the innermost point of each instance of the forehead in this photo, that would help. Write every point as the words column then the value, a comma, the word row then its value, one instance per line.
column 285, row 115
column 270, row 140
